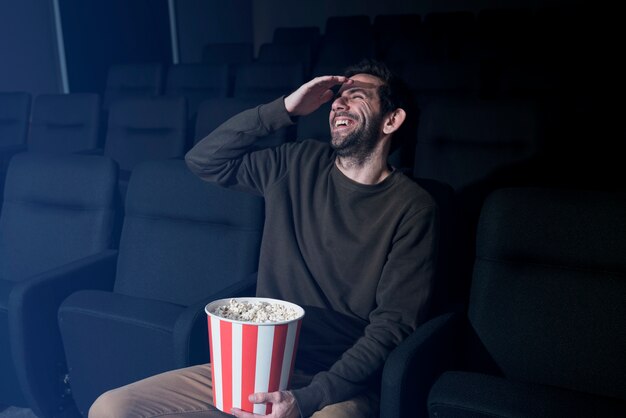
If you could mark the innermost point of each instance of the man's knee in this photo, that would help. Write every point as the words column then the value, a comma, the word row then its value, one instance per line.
column 112, row 404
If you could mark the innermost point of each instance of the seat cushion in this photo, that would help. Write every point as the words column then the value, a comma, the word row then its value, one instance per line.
column 111, row 340
column 463, row 394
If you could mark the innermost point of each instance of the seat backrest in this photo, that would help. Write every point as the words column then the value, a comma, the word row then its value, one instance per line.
column 184, row 238
column 197, row 82
column 213, row 112
column 57, row 209
column 549, row 286
column 461, row 140
column 132, row 80
column 274, row 53
column 228, row 53
column 341, row 53
column 144, row 129
column 309, row 35
column 348, row 27
column 64, row 123
column 315, row 125
column 267, row 81
column 14, row 115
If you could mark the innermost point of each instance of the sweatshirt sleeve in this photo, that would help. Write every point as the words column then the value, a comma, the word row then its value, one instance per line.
column 402, row 300
column 225, row 156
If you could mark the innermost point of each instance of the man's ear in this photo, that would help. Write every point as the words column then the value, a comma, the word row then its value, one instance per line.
column 393, row 121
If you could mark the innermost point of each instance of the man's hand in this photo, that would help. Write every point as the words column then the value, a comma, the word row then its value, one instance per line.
column 283, row 405
column 313, row 94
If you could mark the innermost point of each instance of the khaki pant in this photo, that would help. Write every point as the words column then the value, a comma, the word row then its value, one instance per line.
column 189, row 393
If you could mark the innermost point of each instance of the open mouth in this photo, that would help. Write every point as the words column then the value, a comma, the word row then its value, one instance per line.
column 342, row 122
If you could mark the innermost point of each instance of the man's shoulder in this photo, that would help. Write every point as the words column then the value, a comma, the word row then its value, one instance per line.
column 416, row 194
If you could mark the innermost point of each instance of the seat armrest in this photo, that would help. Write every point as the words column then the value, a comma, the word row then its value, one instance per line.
column 415, row 364
column 191, row 336
column 35, row 337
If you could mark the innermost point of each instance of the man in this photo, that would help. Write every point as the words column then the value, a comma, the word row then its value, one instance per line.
column 347, row 237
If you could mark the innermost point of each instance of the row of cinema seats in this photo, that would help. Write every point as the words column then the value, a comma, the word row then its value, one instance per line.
column 457, row 139
column 127, row 306
column 542, row 335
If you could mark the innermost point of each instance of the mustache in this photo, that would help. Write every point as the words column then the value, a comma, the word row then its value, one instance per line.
column 346, row 114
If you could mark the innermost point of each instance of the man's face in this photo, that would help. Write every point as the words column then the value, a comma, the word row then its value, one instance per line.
column 355, row 118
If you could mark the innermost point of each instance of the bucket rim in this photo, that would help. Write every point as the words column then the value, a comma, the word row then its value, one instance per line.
column 209, row 307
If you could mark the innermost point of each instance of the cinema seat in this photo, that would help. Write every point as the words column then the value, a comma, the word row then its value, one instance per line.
column 56, row 230
column 543, row 335
column 184, row 243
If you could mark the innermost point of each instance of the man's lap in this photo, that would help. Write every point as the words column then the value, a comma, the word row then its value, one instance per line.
column 188, row 393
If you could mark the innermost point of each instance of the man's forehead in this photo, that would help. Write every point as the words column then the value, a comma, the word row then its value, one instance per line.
column 362, row 81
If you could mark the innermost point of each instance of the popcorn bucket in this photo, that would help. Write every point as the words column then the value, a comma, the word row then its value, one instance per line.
column 249, row 357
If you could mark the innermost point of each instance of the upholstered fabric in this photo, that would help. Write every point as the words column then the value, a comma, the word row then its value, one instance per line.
column 267, row 81
column 183, row 240
column 195, row 230
column 197, row 82
column 14, row 114
column 56, row 210
column 132, row 80
column 462, row 140
column 545, row 329
column 473, row 395
column 64, row 123
column 549, row 288
column 143, row 129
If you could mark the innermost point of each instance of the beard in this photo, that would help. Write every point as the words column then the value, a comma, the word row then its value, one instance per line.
column 359, row 144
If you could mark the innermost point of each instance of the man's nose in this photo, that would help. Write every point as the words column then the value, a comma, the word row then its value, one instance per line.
column 339, row 104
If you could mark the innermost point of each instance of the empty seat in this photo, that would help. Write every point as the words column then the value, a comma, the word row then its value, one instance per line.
column 544, row 332
column 348, row 28
column 228, row 53
column 274, row 53
column 64, row 123
column 56, row 225
column 388, row 29
column 267, row 82
column 213, row 112
column 308, row 35
column 428, row 79
column 197, row 82
column 183, row 241
column 145, row 129
column 132, row 80
column 333, row 56
column 462, row 140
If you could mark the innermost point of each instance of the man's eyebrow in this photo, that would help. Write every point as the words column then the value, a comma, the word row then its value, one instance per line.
column 354, row 89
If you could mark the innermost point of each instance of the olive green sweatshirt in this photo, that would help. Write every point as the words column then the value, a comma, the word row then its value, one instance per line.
column 358, row 258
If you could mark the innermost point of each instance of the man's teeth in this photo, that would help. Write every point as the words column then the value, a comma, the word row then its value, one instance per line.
column 342, row 122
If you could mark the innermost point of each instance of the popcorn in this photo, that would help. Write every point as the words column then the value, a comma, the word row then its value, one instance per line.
column 258, row 311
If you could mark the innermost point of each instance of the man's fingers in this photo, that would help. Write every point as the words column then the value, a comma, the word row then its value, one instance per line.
column 243, row 414
column 264, row 397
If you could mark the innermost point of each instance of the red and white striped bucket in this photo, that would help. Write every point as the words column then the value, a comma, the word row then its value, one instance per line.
column 249, row 357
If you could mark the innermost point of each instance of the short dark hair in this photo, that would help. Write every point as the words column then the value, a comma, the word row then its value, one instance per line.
column 392, row 92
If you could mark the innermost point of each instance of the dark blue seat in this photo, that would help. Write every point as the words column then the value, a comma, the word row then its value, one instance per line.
column 544, row 334
column 184, row 242
column 57, row 222
column 65, row 123
column 14, row 116
column 145, row 129
column 132, row 80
